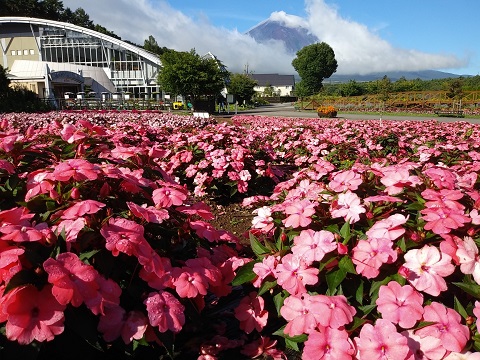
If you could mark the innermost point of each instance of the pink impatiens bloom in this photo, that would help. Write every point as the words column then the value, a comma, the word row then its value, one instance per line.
column 189, row 283
column 447, row 327
column 442, row 220
column 116, row 322
column 32, row 314
column 389, row 228
column 299, row 213
column 263, row 219
column 334, row 311
column 301, row 313
column 165, row 311
column 293, row 274
column 251, row 313
column 397, row 178
column 265, row 269
column 81, row 208
column 149, row 213
column 381, row 341
column 345, row 180
column 73, row 281
column 347, row 206
column 369, row 256
column 401, row 305
column 168, row 195
column 75, row 169
column 71, row 228
column 313, row 245
column 124, row 236
column 422, row 348
column 427, row 268
column 467, row 253
column 328, row 344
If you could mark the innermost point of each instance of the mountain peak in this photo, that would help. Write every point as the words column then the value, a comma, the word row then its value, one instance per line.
column 294, row 38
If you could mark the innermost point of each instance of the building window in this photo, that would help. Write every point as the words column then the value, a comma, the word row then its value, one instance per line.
column 13, row 53
column 19, row 52
column 32, row 52
column 25, row 52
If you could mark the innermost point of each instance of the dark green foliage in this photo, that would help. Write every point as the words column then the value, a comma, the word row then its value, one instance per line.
column 242, row 86
column 314, row 63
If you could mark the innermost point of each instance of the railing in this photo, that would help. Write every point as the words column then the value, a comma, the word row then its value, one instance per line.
column 108, row 104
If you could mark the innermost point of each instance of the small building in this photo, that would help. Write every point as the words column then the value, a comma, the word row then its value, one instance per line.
column 281, row 85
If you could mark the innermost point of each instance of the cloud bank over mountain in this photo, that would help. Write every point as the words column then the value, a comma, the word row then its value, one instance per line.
column 358, row 49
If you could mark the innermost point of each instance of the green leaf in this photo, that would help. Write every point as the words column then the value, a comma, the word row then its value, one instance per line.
column 258, row 248
column 367, row 309
column 472, row 288
column 345, row 232
column 357, row 322
column 244, row 274
column 267, row 285
column 459, row 308
column 346, row 264
column 278, row 300
column 359, row 293
column 291, row 345
column 334, row 278
column 296, row 339
column 87, row 255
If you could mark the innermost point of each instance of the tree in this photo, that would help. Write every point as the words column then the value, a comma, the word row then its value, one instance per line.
column 242, row 86
column 314, row 63
column 151, row 45
column 188, row 74
column 4, row 81
column 352, row 88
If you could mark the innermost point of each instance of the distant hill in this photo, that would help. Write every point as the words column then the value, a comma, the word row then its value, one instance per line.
column 299, row 37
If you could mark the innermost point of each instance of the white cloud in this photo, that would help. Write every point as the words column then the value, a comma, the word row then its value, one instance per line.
column 357, row 49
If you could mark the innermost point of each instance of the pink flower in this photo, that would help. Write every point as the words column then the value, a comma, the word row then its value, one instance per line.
column 347, row 206
column 313, row 245
column 148, row 213
column 389, row 228
column 333, row 311
column 165, row 311
column 300, row 213
column 345, row 180
column 293, row 274
column 251, row 313
column 76, row 169
column 396, row 179
column 302, row 314
column 189, row 283
column 168, row 195
column 81, row 208
column 401, row 305
column 442, row 178
column 369, row 256
column 427, row 268
column 263, row 219
column 381, row 342
column 207, row 231
column 9, row 261
column 263, row 346
column 476, row 312
column 443, row 220
column 22, row 233
column 124, row 236
column 265, row 269
column 467, row 253
column 32, row 314
column 71, row 228
column 447, row 327
column 328, row 344
column 72, row 281
column 115, row 323
column 422, row 348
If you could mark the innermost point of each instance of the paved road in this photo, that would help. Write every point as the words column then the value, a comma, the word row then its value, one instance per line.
column 287, row 110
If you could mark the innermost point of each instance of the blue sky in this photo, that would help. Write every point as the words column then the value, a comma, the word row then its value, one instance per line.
column 366, row 35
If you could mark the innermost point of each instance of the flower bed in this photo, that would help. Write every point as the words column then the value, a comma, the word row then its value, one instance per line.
column 364, row 242
column 327, row 111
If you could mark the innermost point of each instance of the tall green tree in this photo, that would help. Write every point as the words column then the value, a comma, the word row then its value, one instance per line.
column 189, row 74
column 151, row 45
column 314, row 63
column 4, row 81
column 242, row 86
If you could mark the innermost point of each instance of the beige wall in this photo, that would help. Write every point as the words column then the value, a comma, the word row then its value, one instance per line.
column 19, row 48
